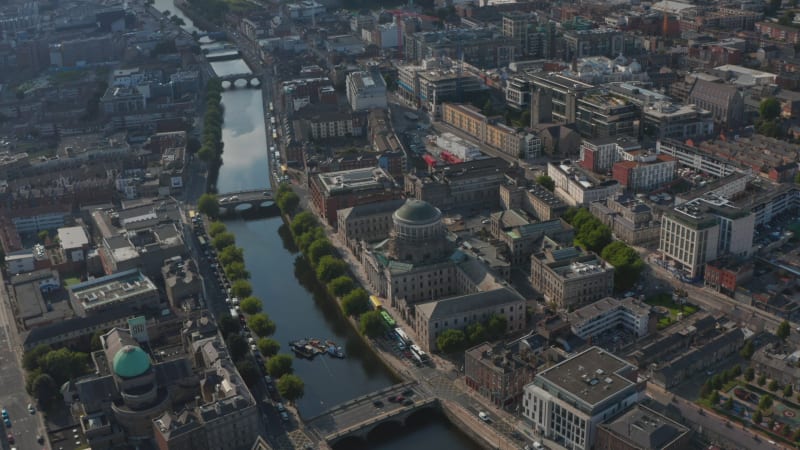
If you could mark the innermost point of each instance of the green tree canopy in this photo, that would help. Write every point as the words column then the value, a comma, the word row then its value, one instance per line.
column 340, row 286
column 769, row 108
column 329, row 267
column 371, row 324
column 216, row 227
column 714, row 398
column 222, row 240
column 43, row 236
column 45, row 389
column 747, row 351
column 249, row 372
column 207, row 203
column 236, row 271
column 765, row 401
column 288, row 202
column 32, row 359
column 268, row 347
column 788, row 391
column 241, row 288
column 762, row 380
column 757, row 417
column 451, row 341
column 496, row 326
column 749, row 374
column 231, row 254
column 279, row 365
column 228, row 325
column 773, row 385
column 64, row 364
column 302, row 223
column 476, row 333
column 251, row 305
column 305, row 240
column 546, row 182
column 237, row 346
column 783, row 330
column 627, row 264
column 355, row 302
column 291, row 387
column 261, row 324
column 318, row 249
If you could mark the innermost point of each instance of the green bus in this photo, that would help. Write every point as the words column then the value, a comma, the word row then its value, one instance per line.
column 388, row 319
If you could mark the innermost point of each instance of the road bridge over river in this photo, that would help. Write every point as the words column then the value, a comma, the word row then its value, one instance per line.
column 359, row 417
column 229, row 203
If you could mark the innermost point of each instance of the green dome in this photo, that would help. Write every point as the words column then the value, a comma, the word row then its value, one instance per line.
column 131, row 361
column 417, row 211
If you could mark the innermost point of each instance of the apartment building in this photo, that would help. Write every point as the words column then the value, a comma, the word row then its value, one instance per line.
column 480, row 47
column 609, row 313
column 555, row 98
column 320, row 122
column 600, row 153
column 570, row 276
column 575, row 188
column 366, row 90
column 435, row 81
column 695, row 158
column 647, row 171
column 568, row 401
column 700, row 230
column 594, row 42
column 522, row 238
column 779, row 32
column 542, row 203
column 630, row 220
column 512, row 142
column 498, row 372
column 333, row 191
column 604, row 115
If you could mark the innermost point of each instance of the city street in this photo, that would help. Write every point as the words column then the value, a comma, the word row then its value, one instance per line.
column 24, row 426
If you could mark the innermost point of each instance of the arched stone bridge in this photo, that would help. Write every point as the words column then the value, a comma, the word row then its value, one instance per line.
column 359, row 417
column 230, row 202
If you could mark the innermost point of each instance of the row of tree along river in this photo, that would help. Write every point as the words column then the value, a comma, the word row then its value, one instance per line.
column 293, row 298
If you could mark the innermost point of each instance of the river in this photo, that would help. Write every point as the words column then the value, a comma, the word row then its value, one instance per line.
column 288, row 288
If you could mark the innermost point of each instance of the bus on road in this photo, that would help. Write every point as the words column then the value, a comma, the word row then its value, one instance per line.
column 388, row 319
column 402, row 336
column 376, row 303
column 419, row 355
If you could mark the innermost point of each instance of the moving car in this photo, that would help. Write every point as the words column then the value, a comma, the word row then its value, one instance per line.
column 483, row 416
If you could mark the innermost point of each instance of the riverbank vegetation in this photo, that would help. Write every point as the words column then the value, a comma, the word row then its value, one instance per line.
column 211, row 144
column 231, row 259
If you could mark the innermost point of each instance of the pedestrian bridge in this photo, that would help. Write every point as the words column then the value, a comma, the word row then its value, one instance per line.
column 255, row 199
column 360, row 417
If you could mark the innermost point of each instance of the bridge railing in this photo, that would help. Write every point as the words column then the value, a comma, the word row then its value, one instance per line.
column 379, row 418
column 370, row 396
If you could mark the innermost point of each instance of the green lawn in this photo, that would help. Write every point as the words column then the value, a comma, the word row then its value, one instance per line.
column 71, row 280
column 674, row 308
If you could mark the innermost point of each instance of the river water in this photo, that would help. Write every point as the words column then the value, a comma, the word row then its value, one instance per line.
column 292, row 297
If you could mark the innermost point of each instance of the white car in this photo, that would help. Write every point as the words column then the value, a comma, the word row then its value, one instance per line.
column 483, row 416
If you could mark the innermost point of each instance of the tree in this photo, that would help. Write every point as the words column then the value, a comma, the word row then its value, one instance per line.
column 496, row 326
column 762, row 380
column 237, row 346
column 231, row 254
column 355, row 302
column 706, row 389
column 769, row 108
column 788, row 391
column 291, row 387
column 249, row 372
column 714, row 398
column 44, row 388
column 215, row 228
column 728, row 405
column 318, row 249
column 32, row 359
column 341, row 285
column 546, row 182
column 305, row 240
column 236, row 271
column 796, row 435
column 736, row 371
column 749, row 374
column 261, row 324
column 747, row 351
column 371, row 324
column 476, row 333
column 329, row 267
column 716, row 382
column 207, row 203
column 765, row 402
column 773, row 385
column 228, row 325
column 43, row 236
column 64, row 364
column 288, row 202
column 241, row 288
column 627, row 264
column 596, row 239
column 783, row 330
column 268, row 347
column 222, row 240
column 451, row 341
column 279, row 365
column 251, row 305
column 757, row 417
column 302, row 223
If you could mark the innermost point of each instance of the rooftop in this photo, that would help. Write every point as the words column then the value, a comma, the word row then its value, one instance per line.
column 72, row 237
column 418, row 211
column 355, row 179
column 112, row 288
column 645, row 428
column 590, row 377
column 604, row 306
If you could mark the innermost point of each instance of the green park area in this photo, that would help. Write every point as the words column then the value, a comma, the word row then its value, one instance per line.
column 675, row 310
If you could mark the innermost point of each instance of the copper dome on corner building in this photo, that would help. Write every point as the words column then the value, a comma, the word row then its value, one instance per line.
column 130, row 362
column 418, row 212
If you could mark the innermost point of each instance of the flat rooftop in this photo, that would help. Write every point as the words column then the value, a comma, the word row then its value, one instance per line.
column 72, row 237
column 605, row 306
column 645, row 428
column 356, row 179
column 110, row 289
column 592, row 376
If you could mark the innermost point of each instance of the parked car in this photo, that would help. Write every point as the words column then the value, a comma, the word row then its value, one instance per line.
column 284, row 416
column 279, row 406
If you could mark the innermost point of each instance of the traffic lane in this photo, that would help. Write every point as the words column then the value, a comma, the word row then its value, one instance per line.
column 24, row 425
column 694, row 418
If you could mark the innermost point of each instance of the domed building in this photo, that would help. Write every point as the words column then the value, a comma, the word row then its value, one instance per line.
column 418, row 234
